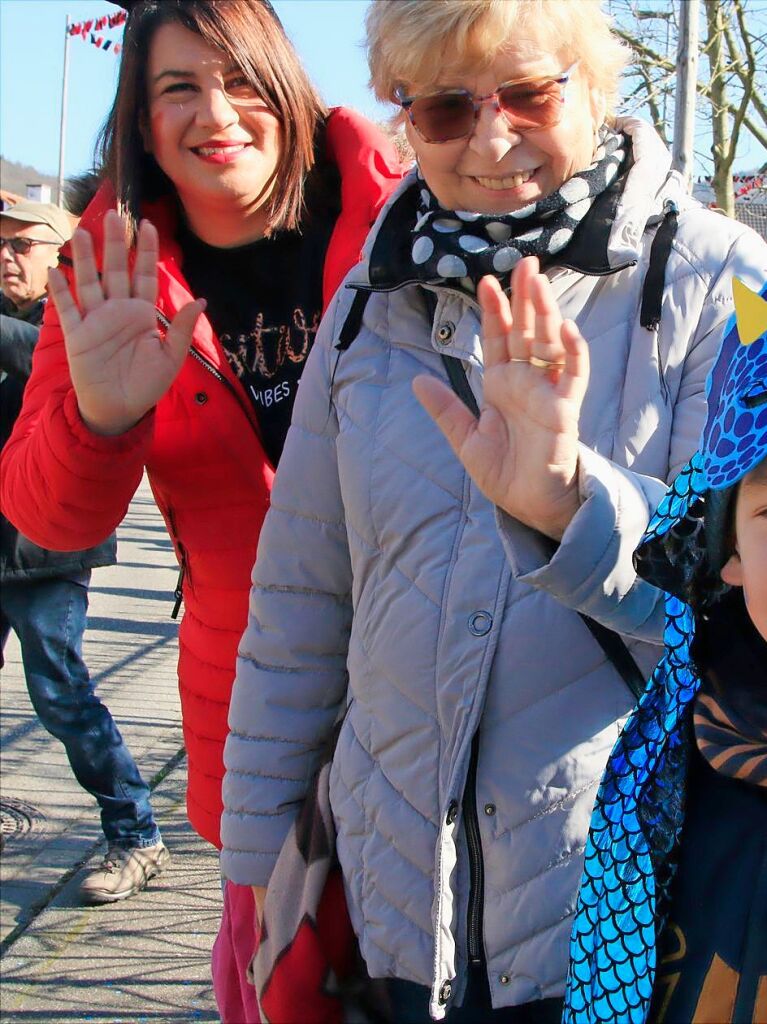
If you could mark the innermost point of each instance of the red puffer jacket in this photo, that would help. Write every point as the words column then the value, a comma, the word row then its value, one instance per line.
column 67, row 488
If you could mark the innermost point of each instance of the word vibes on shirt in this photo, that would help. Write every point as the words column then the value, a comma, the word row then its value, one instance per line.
column 267, row 397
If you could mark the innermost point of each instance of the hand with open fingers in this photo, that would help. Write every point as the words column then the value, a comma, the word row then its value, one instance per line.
column 119, row 365
column 523, row 450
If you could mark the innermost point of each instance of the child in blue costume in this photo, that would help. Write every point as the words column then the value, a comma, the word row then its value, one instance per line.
column 671, row 922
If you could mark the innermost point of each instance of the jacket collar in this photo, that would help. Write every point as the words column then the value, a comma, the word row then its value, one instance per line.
column 32, row 315
column 607, row 240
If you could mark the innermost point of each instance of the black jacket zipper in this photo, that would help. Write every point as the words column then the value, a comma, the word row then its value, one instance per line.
column 476, row 865
column 178, row 593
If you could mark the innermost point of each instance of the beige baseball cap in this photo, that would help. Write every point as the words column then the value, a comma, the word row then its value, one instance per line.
column 28, row 212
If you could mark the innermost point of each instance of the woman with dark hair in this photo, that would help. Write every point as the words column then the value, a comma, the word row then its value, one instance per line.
column 233, row 184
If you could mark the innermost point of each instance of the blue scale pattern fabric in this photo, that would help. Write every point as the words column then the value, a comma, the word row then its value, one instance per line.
column 639, row 811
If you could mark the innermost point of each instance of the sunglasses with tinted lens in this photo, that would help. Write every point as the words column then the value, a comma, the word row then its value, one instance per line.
column 21, row 246
column 451, row 114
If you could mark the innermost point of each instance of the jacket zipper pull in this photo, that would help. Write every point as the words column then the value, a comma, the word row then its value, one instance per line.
column 178, row 593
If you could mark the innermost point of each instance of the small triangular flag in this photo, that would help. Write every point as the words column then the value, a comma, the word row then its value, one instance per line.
column 750, row 312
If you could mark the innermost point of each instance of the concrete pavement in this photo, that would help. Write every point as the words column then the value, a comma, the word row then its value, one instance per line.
column 146, row 959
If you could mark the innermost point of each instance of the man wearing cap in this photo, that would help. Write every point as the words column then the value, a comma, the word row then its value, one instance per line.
column 44, row 594
column 32, row 234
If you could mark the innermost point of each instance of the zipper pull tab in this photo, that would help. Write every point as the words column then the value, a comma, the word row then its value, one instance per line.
column 178, row 593
column 669, row 208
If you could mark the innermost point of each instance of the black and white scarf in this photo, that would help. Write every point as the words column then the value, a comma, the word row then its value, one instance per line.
column 461, row 247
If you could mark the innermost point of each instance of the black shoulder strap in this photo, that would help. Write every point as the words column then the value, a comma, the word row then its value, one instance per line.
column 618, row 655
column 459, row 382
column 353, row 322
column 614, row 648
column 654, row 282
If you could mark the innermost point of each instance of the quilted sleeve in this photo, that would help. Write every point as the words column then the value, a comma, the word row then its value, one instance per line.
column 61, row 485
column 291, row 669
column 592, row 569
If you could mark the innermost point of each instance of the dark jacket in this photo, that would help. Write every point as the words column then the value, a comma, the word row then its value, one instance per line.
column 20, row 559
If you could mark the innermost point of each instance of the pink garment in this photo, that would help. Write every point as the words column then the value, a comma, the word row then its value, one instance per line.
column 232, row 952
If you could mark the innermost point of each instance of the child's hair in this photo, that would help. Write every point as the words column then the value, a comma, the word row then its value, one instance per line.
column 722, row 620
column 80, row 189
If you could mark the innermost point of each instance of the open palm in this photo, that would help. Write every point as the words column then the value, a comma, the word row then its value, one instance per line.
column 523, row 450
column 119, row 365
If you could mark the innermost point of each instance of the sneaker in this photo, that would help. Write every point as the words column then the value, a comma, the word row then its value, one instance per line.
column 123, row 873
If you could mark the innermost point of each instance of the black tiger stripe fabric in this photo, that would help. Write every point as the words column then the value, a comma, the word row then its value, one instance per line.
column 731, row 745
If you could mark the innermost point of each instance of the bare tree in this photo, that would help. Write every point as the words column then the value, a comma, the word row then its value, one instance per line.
column 732, row 76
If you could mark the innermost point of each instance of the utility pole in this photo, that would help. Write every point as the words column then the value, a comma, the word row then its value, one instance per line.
column 63, row 125
column 686, row 78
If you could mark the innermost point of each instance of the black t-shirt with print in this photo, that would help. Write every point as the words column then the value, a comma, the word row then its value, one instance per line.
column 265, row 303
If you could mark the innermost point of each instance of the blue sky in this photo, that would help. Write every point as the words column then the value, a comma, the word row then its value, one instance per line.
column 327, row 33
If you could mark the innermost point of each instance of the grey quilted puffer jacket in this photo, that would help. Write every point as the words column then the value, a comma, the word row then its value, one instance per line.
column 386, row 584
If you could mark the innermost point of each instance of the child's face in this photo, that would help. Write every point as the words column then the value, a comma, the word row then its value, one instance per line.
column 747, row 568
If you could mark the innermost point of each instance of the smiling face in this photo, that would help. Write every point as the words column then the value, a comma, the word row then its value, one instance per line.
column 747, row 568
column 212, row 135
column 497, row 169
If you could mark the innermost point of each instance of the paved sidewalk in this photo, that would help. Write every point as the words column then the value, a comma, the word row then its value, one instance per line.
column 146, row 959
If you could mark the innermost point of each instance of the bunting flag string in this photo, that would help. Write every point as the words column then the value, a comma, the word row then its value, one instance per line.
column 90, row 31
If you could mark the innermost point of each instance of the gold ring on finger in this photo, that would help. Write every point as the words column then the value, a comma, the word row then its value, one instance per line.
column 545, row 364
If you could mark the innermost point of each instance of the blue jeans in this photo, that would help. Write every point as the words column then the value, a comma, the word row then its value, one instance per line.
column 48, row 616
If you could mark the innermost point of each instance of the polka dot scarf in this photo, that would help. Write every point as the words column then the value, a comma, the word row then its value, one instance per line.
column 462, row 247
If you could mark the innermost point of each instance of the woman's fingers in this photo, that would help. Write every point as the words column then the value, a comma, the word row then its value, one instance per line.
column 575, row 376
column 145, row 266
column 546, row 344
column 496, row 321
column 522, row 310
column 115, row 277
column 179, row 336
column 63, row 300
column 89, row 291
column 447, row 410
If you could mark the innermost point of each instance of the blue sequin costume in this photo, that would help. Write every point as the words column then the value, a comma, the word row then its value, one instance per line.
column 639, row 811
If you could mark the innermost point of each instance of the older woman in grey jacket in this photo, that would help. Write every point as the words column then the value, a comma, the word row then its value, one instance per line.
column 450, row 608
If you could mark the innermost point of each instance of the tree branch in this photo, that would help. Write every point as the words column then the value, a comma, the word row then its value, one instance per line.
column 656, row 60
column 745, row 68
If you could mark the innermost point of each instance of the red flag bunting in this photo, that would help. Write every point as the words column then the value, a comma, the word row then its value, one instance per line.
column 83, row 29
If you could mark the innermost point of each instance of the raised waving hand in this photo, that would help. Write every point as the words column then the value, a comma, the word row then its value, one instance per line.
column 119, row 364
column 523, row 450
